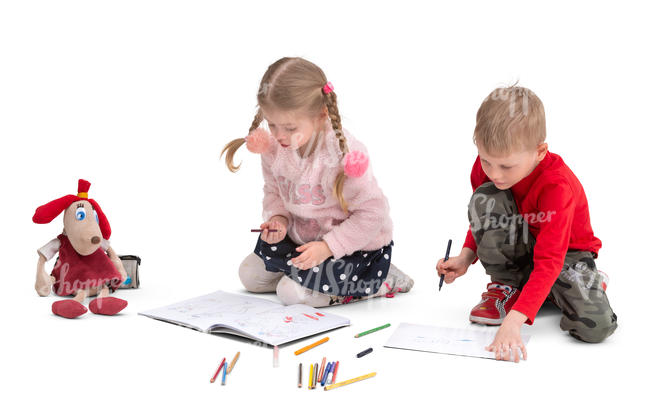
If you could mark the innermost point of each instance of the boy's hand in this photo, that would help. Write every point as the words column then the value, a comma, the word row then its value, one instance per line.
column 278, row 223
column 456, row 266
column 313, row 254
column 507, row 343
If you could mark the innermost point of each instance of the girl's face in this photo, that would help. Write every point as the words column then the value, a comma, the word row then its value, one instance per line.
column 292, row 129
column 506, row 171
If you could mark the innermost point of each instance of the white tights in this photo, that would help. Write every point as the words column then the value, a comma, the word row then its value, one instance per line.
column 255, row 278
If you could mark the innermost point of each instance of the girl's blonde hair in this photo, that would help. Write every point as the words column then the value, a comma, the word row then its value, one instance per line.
column 295, row 84
column 510, row 119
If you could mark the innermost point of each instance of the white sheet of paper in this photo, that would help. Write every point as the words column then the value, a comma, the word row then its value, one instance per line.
column 466, row 342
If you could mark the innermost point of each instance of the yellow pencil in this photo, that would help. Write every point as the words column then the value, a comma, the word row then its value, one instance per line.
column 309, row 347
column 311, row 375
column 349, row 381
column 232, row 364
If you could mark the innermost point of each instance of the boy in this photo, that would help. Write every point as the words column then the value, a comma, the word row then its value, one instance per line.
column 530, row 227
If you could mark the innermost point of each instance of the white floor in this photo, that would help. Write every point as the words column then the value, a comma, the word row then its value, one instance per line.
column 146, row 359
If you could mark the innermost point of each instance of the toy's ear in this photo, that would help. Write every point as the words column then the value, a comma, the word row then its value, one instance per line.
column 48, row 212
column 104, row 226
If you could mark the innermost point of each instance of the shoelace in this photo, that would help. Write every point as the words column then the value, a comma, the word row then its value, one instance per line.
column 495, row 293
column 391, row 293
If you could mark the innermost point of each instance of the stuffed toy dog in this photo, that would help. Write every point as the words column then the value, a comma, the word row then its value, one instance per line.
column 87, row 265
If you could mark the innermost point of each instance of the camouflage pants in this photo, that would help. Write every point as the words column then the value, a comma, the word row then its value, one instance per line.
column 505, row 249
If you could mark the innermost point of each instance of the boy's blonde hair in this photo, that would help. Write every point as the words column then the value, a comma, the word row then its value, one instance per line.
column 510, row 119
column 293, row 84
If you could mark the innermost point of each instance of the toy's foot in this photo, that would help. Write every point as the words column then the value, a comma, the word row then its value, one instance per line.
column 107, row 305
column 68, row 308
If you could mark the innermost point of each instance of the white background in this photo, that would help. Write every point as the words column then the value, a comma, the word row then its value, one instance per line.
column 139, row 97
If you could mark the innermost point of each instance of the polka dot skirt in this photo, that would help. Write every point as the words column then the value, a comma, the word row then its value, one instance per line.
column 359, row 274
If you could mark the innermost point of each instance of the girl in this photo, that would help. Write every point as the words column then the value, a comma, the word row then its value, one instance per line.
column 327, row 235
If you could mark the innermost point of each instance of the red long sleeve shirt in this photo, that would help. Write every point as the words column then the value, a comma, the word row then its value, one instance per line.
column 553, row 203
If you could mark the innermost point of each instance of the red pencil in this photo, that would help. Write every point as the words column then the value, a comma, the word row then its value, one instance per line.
column 218, row 370
column 260, row 230
column 336, row 369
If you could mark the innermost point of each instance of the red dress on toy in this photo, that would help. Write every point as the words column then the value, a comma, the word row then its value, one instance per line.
column 74, row 272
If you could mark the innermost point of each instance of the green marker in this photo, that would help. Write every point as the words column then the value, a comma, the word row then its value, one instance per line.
column 372, row 330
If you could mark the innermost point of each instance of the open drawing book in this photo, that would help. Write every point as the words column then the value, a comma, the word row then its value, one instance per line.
column 467, row 342
column 254, row 318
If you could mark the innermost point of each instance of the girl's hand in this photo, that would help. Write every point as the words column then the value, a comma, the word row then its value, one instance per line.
column 456, row 266
column 313, row 254
column 278, row 223
column 507, row 343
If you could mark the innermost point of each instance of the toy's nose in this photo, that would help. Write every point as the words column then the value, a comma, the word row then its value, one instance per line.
column 95, row 240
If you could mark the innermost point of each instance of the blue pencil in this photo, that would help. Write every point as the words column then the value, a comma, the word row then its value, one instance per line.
column 327, row 370
column 223, row 379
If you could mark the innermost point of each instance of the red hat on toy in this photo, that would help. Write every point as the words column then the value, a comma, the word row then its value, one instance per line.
column 48, row 212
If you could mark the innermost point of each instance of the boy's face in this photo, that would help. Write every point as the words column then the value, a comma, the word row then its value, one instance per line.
column 507, row 170
column 292, row 130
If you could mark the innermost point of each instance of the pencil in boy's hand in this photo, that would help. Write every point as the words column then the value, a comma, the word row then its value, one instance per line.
column 442, row 276
column 261, row 230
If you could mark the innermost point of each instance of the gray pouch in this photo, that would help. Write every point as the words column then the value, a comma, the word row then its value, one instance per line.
column 131, row 265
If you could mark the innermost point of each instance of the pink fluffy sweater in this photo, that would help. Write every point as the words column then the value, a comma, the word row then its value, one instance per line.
column 301, row 189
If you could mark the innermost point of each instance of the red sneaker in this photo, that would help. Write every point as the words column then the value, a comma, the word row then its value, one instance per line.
column 495, row 303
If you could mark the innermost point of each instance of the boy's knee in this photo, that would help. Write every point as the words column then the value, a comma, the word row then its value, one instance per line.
column 488, row 199
column 590, row 330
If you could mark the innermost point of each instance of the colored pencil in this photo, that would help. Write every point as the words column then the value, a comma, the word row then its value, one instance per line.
column 300, row 375
column 322, row 369
column 442, row 276
column 261, row 230
column 328, row 369
column 218, row 369
column 372, row 330
column 364, row 352
column 276, row 357
column 336, row 370
column 223, row 379
column 311, row 375
column 309, row 347
column 232, row 363
column 349, row 381
column 315, row 375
